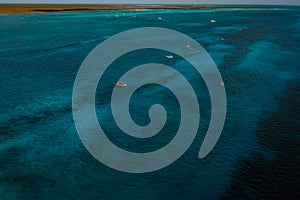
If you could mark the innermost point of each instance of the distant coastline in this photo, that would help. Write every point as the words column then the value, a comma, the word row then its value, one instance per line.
column 37, row 8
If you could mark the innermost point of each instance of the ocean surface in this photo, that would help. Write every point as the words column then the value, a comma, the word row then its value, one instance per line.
column 257, row 156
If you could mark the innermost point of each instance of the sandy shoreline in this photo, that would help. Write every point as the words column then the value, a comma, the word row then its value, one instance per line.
column 36, row 8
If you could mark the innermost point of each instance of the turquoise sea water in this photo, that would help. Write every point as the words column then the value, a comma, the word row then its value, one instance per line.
column 257, row 156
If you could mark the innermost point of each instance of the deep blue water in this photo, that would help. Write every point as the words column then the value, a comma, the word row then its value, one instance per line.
column 257, row 156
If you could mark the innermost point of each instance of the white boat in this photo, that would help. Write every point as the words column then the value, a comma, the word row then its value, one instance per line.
column 121, row 84
column 189, row 47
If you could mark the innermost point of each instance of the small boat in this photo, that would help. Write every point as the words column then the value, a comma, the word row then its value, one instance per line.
column 169, row 57
column 221, row 84
column 121, row 84
column 222, row 39
column 213, row 21
column 162, row 19
column 189, row 47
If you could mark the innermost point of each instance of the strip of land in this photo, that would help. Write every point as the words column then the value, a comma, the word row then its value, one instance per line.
column 36, row 8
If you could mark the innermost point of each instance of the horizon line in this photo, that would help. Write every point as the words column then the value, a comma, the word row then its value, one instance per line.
column 190, row 4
